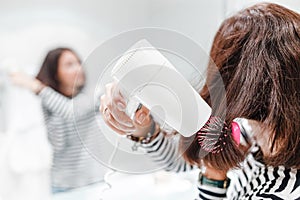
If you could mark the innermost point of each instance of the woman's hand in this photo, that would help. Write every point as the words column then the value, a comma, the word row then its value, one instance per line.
column 26, row 81
column 113, row 107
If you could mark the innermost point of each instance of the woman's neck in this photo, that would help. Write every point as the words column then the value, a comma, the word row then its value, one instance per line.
column 68, row 91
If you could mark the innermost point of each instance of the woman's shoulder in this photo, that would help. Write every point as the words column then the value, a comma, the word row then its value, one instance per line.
column 255, row 179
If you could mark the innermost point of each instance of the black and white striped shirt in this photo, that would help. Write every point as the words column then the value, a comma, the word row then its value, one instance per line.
column 253, row 181
column 72, row 165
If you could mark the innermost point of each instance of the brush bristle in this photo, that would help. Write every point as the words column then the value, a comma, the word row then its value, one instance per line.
column 212, row 136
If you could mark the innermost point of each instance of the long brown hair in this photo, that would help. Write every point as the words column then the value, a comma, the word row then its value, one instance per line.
column 257, row 52
column 48, row 71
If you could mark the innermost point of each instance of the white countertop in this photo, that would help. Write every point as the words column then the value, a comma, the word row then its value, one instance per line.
column 159, row 185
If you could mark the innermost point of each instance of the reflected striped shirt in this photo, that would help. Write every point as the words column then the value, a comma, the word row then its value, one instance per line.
column 72, row 165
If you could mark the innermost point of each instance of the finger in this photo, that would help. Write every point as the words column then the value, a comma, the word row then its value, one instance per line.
column 102, row 103
column 142, row 117
column 118, row 107
column 117, row 98
column 119, row 103
column 117, row 126
column 116, row 104
column 120, row 116
column 122, row 123
column 106, row 117
column 113, row 128
column 116, row 88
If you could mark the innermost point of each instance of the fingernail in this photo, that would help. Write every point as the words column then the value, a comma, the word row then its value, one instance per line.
column 106, row 113
column 129, row 124
column 121, row 106
column 141, row 118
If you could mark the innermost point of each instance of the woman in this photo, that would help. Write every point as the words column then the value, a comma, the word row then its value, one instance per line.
column 58, row 83
column 257, row 53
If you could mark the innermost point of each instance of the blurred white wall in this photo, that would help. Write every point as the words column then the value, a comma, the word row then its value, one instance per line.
column 233, row 6
column 198, row 20
column 30, row 28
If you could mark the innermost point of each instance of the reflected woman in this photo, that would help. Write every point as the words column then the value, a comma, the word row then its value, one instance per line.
column 58, row 83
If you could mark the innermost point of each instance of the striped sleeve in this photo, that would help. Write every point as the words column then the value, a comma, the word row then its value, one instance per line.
column 164, row 151
column 63, row 106
column 55, row 134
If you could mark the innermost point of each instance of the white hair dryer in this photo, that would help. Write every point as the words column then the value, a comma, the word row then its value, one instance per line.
column 145, row 76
